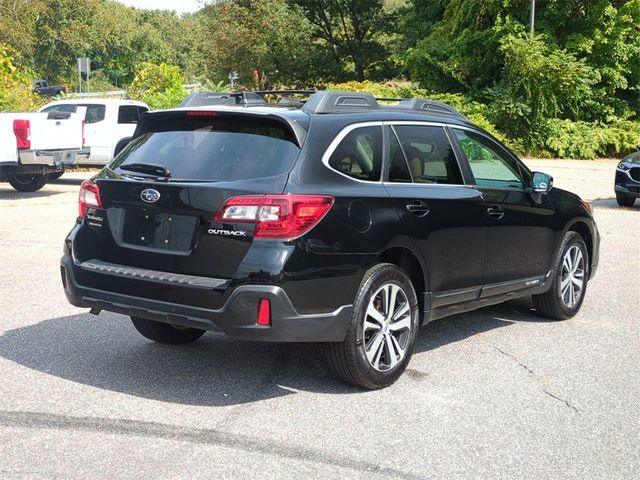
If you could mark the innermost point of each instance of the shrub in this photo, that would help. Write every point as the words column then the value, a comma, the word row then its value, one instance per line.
column 16, row 94
column 568, row 139
column 159, row 86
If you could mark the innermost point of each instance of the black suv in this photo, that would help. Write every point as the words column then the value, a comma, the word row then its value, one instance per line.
column 337, row 220
column 627, row 183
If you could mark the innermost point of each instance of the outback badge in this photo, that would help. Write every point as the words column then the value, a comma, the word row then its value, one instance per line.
column 150, row 195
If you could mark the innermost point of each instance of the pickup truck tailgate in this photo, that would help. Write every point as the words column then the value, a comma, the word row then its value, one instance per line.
column 56, row 131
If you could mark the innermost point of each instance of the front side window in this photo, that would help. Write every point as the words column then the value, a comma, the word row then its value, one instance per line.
column 359, row 154
column 429, row 154
column 490, row 165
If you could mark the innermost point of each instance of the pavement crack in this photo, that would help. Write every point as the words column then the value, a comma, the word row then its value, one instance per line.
column 540, row 380
column 144, row 429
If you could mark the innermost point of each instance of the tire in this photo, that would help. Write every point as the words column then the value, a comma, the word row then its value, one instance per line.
column 625, row 201
column 563, row 300
column 55, row 175
column 379, row 368
column 166, row 333
column 28, row 183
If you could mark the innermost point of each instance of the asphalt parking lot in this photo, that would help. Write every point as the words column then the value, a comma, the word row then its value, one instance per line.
column 496, row 393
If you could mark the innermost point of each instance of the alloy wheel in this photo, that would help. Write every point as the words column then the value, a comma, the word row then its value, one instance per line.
column 572, row 277
column 387, row 327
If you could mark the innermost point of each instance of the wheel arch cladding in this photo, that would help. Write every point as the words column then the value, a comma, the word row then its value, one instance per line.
column 408, row 261
column 582, row 229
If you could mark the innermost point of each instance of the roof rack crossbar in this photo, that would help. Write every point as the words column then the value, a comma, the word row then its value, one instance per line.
column 284, row 92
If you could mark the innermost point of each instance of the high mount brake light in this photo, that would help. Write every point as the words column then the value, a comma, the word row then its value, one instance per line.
column 89, row 197
column 22, row 131
column 276, row 216
column 203, row 113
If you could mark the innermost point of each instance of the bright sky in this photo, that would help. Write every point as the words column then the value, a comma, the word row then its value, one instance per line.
column 180, row 6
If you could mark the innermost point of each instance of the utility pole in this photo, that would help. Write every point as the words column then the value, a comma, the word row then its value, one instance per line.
column 532, row 18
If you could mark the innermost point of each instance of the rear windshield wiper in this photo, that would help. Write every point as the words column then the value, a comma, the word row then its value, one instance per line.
column 148, row 168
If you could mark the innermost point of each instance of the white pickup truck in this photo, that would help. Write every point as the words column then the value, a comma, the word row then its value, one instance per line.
column 107, row 121
column 36, row 145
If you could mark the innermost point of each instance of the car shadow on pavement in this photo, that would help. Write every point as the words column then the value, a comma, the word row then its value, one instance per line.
column 612, row 203
column 11, row 194
column 106, row 352
column 69, row 181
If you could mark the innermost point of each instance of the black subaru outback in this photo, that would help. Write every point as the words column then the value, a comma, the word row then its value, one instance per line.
column 338, row 220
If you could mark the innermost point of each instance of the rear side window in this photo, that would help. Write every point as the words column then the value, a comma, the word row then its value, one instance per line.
column 359, row 154
column 429, row 154
column 95, row 112
column 130, row 114
column 212, row 148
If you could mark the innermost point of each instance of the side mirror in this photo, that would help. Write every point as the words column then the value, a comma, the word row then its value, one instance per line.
column 541, row 182
column 120, row 145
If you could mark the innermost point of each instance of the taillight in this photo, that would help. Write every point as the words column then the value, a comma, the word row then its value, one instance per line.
column 264, row 312
column 22, row 131
column 89, row 197
column 276, row 216
column 83, row 124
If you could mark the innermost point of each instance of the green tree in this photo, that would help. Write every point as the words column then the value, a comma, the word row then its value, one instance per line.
column 352, row 32
column 265, row 41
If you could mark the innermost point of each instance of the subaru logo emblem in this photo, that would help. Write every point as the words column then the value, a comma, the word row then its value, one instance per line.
column 150, row 195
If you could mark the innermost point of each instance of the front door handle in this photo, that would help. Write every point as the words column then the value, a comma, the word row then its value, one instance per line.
column 418, row 208
column 496, row 211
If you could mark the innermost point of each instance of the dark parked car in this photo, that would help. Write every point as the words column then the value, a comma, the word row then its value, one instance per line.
column 43, row 88
column 627, row 183
column 341, row 221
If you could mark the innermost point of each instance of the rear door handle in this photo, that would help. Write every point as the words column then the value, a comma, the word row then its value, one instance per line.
column 496, row 211
column 418, row 208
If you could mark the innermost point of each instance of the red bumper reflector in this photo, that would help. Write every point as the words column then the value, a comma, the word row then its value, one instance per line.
column 264, row 312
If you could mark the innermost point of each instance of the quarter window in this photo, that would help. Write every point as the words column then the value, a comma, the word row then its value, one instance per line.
column 490, row 165
column 129, row 114
column 359, row 155
column 429, row 154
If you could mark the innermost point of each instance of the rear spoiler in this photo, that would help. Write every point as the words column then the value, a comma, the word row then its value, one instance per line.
column 298, row 129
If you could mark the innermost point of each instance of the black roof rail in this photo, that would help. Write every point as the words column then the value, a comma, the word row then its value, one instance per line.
column 426, row 105
column 334, row 101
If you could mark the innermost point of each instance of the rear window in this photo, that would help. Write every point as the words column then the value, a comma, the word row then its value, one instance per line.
column 95, row 112
column 207, row 148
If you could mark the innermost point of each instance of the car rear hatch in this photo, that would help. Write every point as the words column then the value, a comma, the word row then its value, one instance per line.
column 158, row 200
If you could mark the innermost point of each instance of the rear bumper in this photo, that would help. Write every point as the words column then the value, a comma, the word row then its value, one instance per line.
column 53, row 158
column 40, row 162
column 237, row 317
